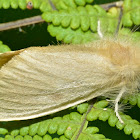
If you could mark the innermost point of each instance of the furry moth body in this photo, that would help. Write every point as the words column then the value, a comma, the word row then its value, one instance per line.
column 38, row 81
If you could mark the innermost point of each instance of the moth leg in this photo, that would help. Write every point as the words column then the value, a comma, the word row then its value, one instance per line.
column 99, row 29
column 122, row 91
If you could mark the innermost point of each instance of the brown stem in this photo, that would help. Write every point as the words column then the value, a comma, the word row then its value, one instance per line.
column 92, row 102
column 84, row 121
column 38, row 19
column 20, row 23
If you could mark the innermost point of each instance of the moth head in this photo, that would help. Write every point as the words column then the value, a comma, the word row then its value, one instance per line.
column 125, row 59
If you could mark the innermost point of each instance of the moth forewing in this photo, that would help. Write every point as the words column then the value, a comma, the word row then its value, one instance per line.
column 40, row 81
column 5, row 57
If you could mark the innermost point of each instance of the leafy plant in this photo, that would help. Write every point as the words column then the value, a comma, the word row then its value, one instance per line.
column 74, row 21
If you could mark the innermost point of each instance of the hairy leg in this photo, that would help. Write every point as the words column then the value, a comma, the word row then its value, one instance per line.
column 122, row 91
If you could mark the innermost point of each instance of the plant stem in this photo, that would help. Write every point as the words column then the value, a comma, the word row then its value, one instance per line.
column 21, row 23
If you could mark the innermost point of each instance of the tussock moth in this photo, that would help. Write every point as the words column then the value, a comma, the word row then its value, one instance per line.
column 42, row 80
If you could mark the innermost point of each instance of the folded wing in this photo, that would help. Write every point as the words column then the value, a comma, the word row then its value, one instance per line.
column 42, row 80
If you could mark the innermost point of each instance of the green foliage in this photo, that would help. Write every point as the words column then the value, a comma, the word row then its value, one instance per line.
column 63, row 4
column 129, row 126
column 78, row 16
column 132, row 13
column 133, row 100
column 43, row 5
column 84, row 17
column 75, row 21
column 4, row 48
column 69, row 125
column 80, row 19
column 70, row 36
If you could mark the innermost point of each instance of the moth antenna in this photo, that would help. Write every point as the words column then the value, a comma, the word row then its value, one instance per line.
column 52, row 5
column 122, row 91
column 109, row 100
column 119, row 21
column 99, row 29
column 135, row 28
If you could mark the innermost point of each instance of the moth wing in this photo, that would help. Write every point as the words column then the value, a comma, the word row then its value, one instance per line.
column 5, row 57
column 40, row 81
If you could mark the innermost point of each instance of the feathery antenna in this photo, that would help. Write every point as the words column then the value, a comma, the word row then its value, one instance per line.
column 119, row 21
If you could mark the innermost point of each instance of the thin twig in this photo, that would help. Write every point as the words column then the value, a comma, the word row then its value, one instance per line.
column 21, row 23
column 52, row 5
column 119, row 21
column 85, row 118
column 38, row 19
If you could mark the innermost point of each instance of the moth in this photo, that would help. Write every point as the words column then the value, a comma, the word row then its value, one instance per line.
column 38, row 81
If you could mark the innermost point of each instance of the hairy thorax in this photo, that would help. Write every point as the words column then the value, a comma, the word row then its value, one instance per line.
column 125, row 60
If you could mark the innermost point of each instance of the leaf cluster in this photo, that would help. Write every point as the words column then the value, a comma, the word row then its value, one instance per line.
column 76, row 21
column 70, row 125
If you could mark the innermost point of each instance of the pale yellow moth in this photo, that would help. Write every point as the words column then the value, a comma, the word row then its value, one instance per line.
column 38, row 81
